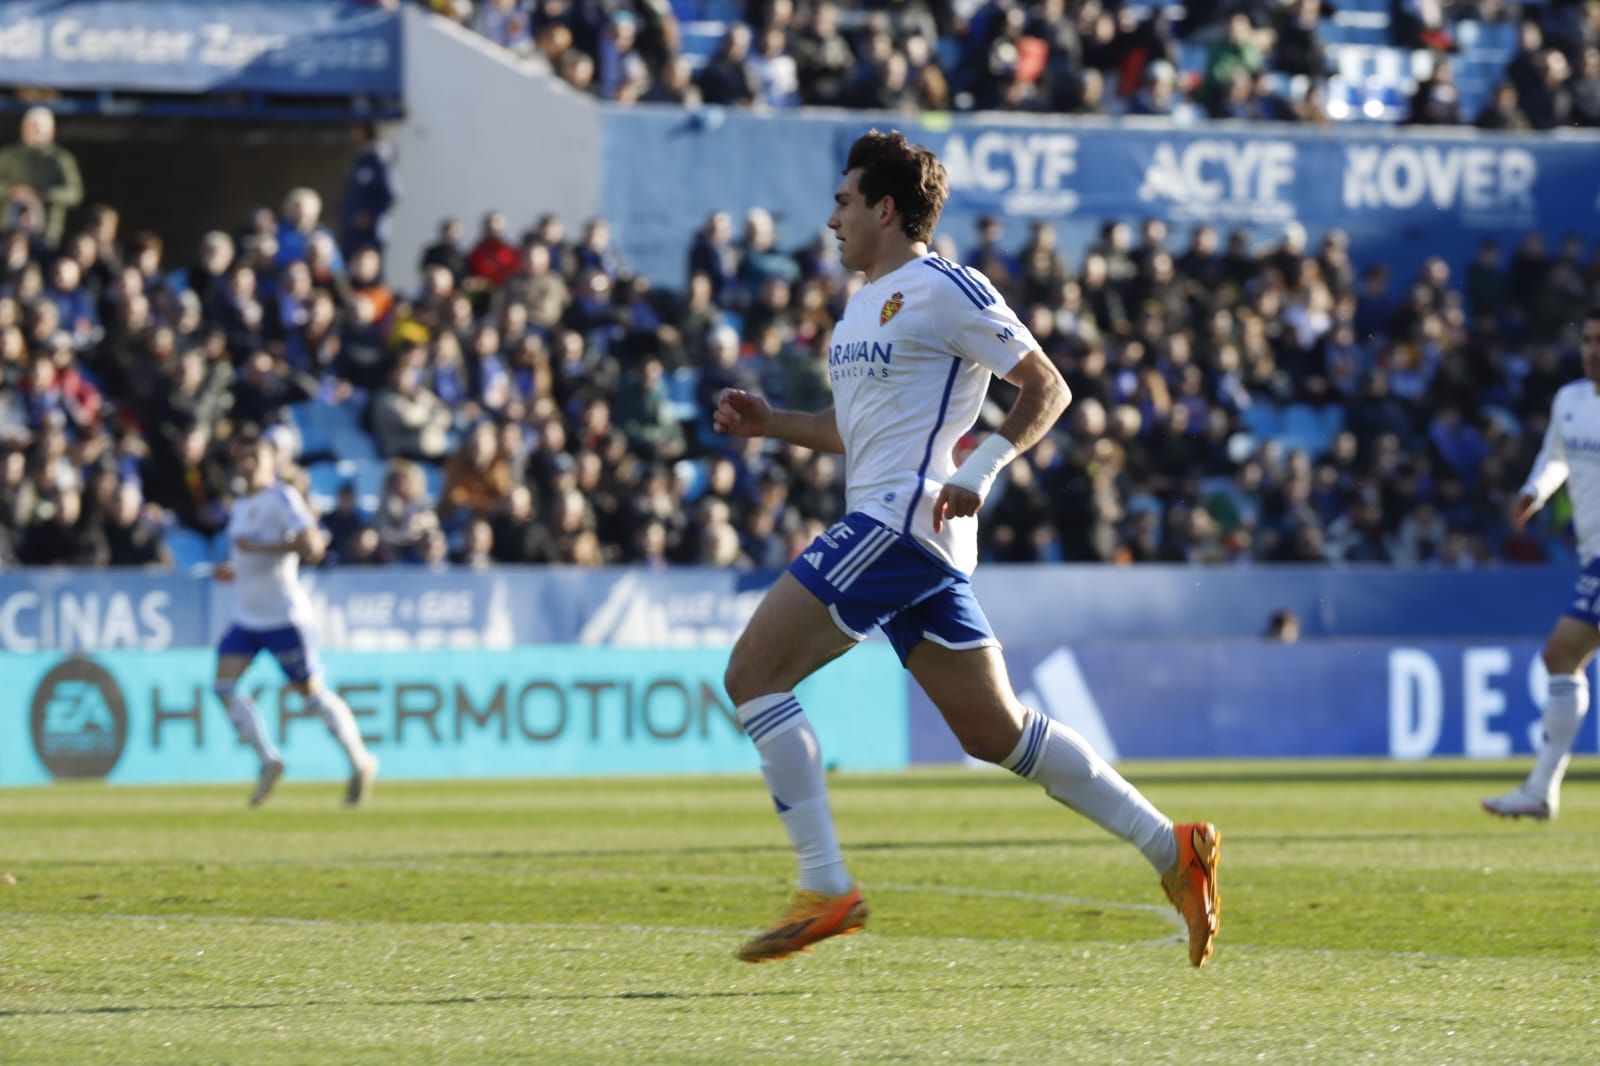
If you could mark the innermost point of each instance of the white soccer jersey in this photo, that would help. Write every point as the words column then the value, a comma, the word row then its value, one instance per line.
column 1571, row 454
column 266, row 586
column 910, row 364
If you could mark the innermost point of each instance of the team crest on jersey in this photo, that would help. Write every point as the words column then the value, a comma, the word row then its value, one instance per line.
column 891, row 307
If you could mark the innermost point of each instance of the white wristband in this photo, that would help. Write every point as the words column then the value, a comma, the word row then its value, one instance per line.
column 980, row 469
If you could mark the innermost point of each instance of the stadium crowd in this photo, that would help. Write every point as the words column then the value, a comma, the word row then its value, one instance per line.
column 1265, row 60
column 536, row 402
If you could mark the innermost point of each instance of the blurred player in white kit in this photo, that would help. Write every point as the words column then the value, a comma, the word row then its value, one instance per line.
column 269, row 532
column 1570, row 455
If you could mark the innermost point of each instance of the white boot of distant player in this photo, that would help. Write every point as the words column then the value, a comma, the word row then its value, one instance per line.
column 1072, row 774
column 335, row 714
column 1563, row 715
column 242, row 712
column 791, row 762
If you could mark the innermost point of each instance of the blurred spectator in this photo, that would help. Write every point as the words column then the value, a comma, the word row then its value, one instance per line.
column 39, row 179
column 505, row 23
column 190, row 480
column 446, row 250
column 369, row 193
column 1502, row 112
column 406, row 522
column 1235, row 54
column 1585, row 88
column 1298, row 48
column 408, row 419
column 477, row 478
column 1437, row 101
column 133, row 532
column 493, row 259
column 1283, row 627
column 300, row 228
column 1548, row 101
column 728, row 76
column 1421, row 24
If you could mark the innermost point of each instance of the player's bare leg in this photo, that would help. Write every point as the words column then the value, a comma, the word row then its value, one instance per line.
column 335, row 714
column 791, row 636
column 973, row 692
column 242, row 713
column 1567, row 653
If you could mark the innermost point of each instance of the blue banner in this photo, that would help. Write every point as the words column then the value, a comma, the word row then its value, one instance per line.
column 294, row 47
column 403, row 608
column 1400, row 194
column 1236, row 699
column 151, row 717
column 88, row 610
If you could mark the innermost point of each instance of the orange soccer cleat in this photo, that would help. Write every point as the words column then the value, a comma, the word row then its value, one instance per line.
column 810, row 917
column 1191, row 885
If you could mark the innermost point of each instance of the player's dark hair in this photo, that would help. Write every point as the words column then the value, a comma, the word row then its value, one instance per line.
column 911, row 174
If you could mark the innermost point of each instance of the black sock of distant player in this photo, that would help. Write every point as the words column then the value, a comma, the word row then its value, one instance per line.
column 1063, row 762
column 791, row 761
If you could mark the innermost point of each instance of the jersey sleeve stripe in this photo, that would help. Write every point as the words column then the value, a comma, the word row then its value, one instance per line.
column 979, row 298
column 982, row 286
column 933, row 434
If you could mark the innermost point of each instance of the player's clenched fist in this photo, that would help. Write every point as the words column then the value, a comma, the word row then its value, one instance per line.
column 954, row 501
column 741, row 414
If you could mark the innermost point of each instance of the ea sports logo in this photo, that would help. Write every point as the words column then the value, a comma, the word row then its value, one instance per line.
column 79, row 720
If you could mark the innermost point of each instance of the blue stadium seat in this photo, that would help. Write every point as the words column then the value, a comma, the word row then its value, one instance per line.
column 315, row 424
column 680, row 385
column 700, row 39
column 1261, row 420
column 1310, row 429
column 325, row 481
column 1191, row 57
column 354, row 443
column 368, row 475
column 189, row 549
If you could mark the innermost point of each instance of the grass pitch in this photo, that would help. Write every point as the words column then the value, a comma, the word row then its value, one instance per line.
column 1370, row 912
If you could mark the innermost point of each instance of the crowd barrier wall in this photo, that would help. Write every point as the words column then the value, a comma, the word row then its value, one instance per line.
column 562, row 710
column 419, row 608
column 550, row 671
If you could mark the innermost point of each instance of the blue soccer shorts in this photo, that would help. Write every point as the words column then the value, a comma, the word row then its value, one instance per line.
column 288, row 644
column 1585, row 605
column 870, row 576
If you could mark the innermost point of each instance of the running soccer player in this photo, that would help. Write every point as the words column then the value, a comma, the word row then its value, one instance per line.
column 1571, row 454
column 911, row 362
column 269, row 532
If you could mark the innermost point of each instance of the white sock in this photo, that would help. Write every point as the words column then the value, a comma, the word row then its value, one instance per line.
column 1062, row 761
column 1564, row 708
column 335, row 714
column 243, row 714
column 791, row 761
